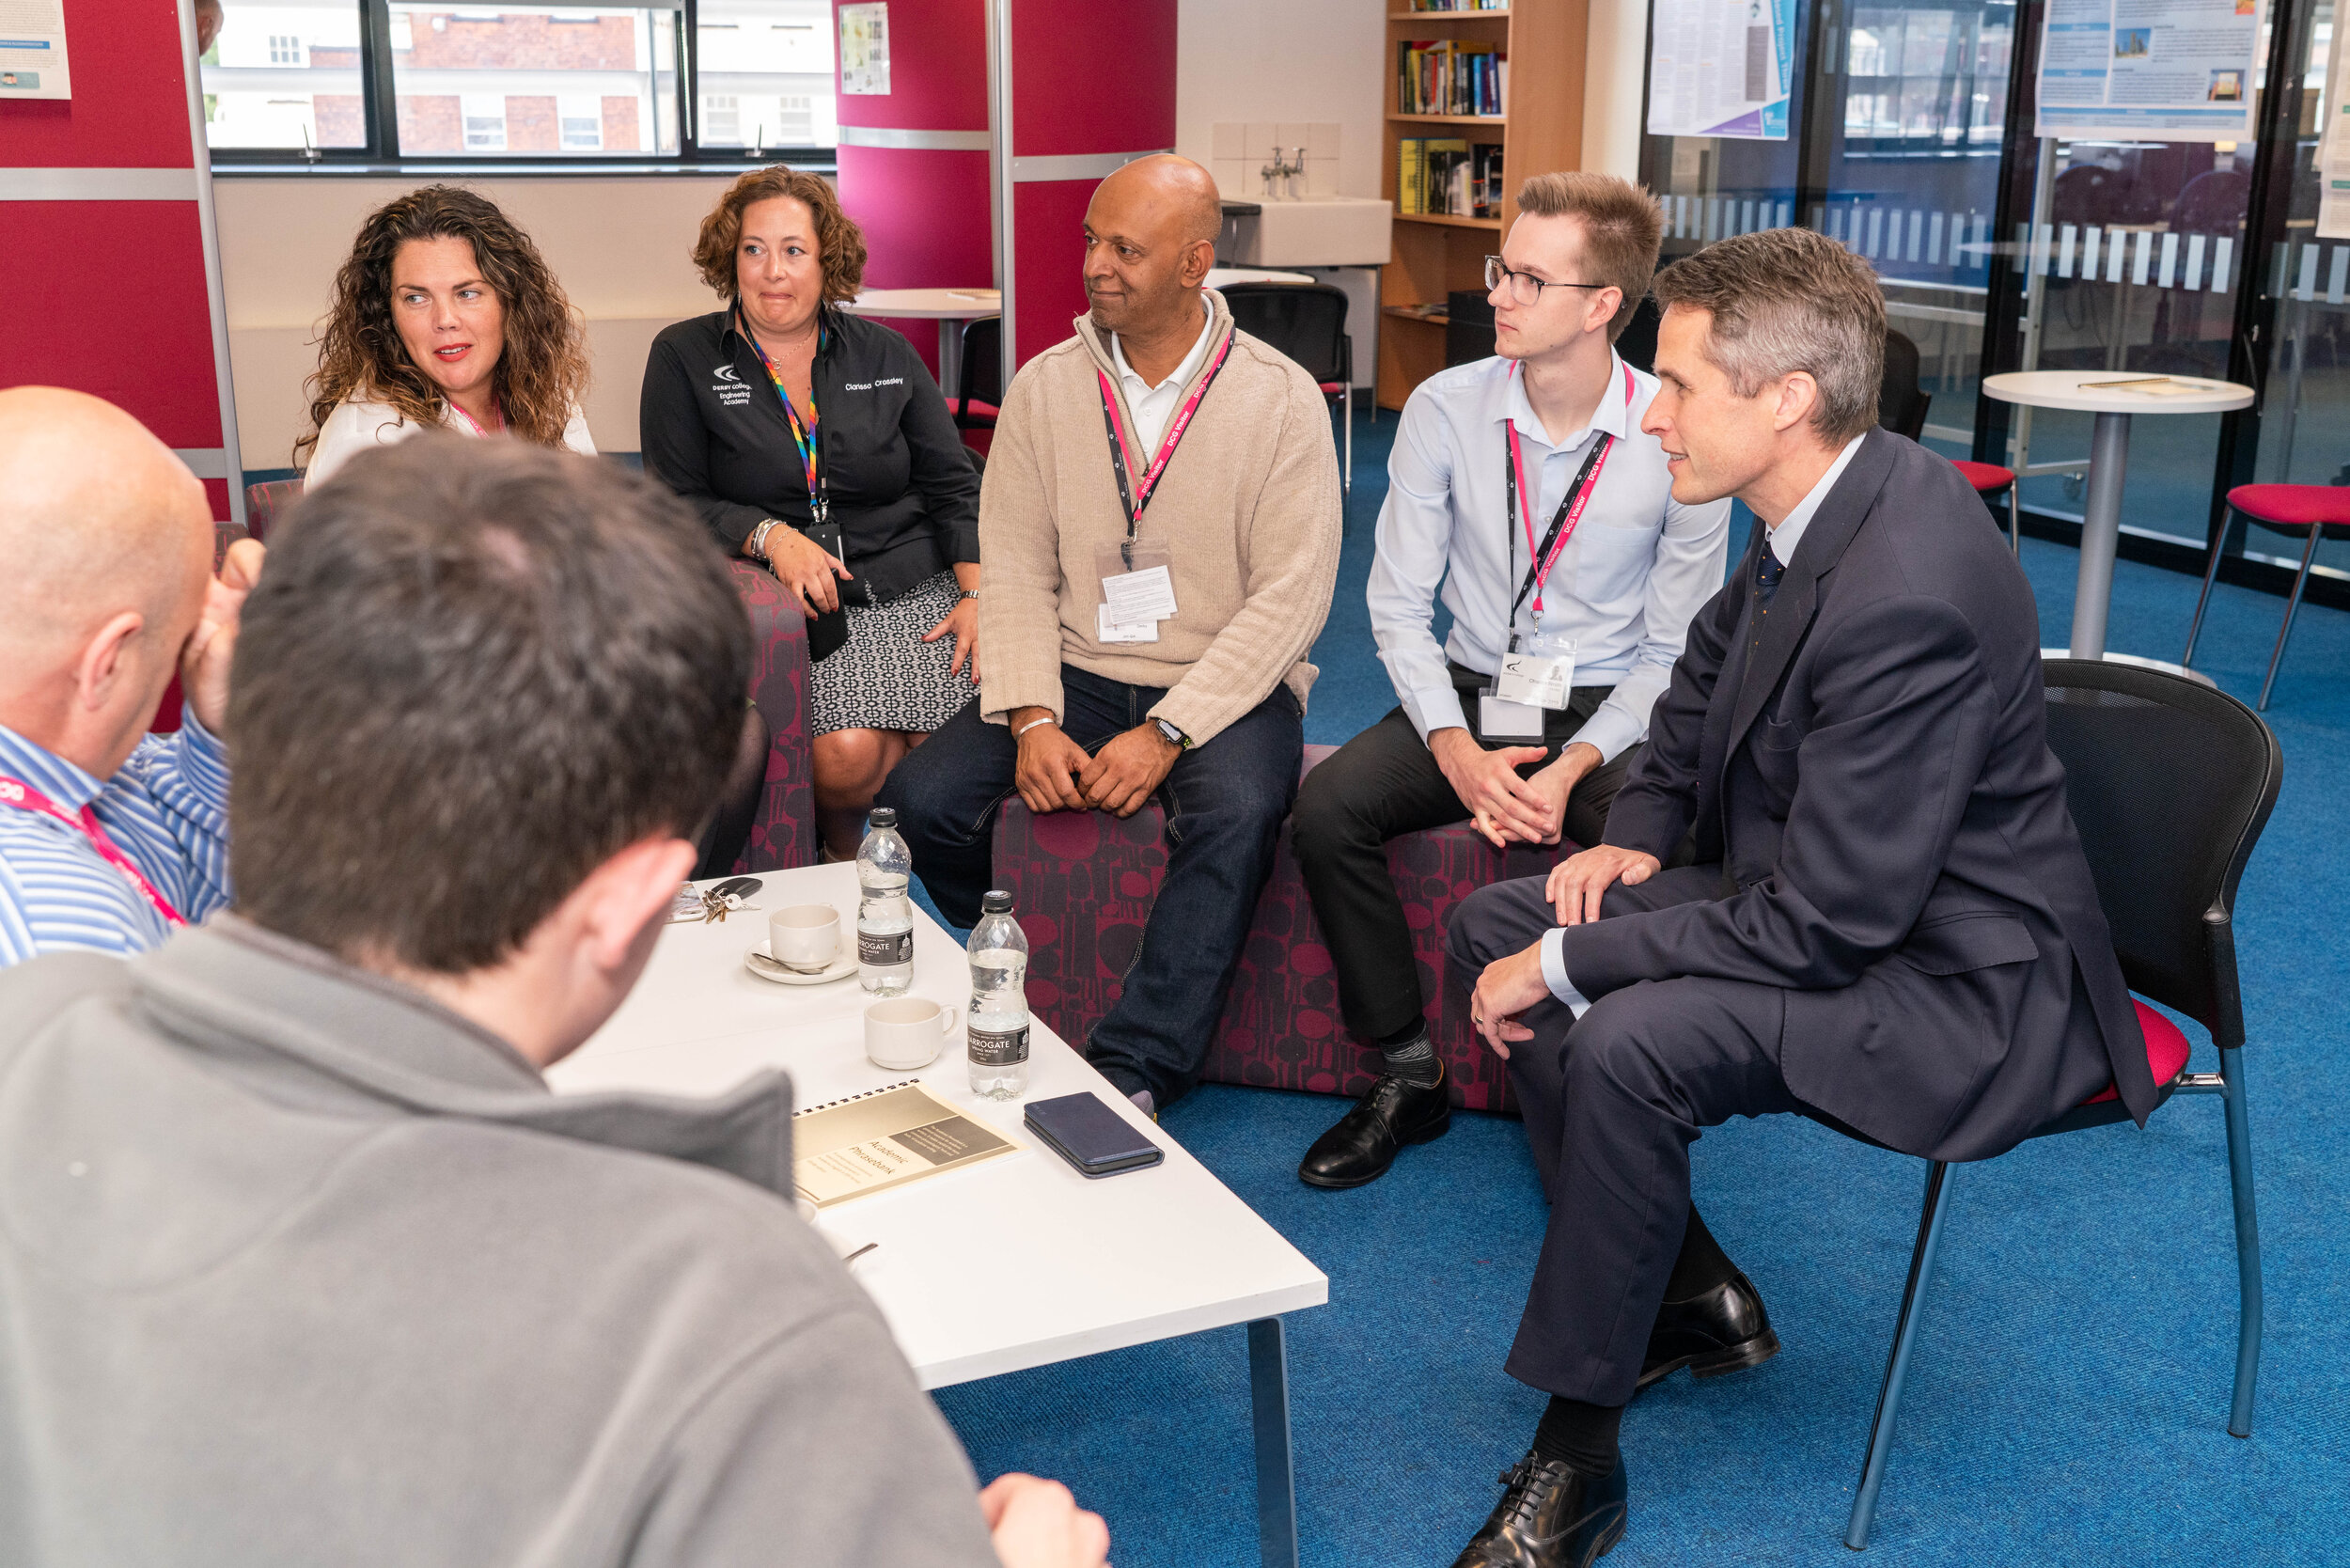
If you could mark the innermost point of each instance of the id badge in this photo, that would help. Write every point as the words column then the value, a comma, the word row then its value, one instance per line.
column 1541, row 676
column 1138, row 592
column 1500, row 720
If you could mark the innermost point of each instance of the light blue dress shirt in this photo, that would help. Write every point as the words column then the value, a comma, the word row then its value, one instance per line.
column 1638, row 566
column 166, row 808
column 1783, row 540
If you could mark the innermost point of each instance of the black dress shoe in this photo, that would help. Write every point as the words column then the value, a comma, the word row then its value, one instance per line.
column 1367, row 1138
column 1551, row 1516
column 1722, row 1331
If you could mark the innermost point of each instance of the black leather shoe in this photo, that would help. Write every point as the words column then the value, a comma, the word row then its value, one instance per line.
column 1550, row 1516
column 1367, row 1138
column 1722, row 1331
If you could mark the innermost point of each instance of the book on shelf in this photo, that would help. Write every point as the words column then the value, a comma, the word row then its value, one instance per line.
column 1435, row 312
column 1449, row 176
column 1449, row 76
column 1460, row 4
column 883, row 1138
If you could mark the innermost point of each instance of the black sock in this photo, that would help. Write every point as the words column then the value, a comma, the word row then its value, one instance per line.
column 1411, row 1056
column 1702, row 1263
column 1580, row 1436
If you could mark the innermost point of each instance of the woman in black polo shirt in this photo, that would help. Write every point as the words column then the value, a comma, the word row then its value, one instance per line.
column 780, row 413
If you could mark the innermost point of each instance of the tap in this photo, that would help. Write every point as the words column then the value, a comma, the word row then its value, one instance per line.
column 1283, row 170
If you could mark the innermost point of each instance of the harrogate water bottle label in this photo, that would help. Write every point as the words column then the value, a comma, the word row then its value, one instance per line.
column 998, row 1047
column 884, row 949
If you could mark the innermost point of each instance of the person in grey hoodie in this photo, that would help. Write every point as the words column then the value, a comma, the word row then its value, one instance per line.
column 300, row 1260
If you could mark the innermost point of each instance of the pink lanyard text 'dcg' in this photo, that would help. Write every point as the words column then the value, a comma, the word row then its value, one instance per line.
column 23, row 797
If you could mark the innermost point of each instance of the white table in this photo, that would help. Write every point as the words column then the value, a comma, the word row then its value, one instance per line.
column 949, row 307
column 2108, row 459
column 1016, row 1263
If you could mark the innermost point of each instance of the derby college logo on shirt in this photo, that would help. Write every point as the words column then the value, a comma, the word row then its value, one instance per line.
column 729, row 387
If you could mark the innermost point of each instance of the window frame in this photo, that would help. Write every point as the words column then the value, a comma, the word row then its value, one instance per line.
column 380, row 153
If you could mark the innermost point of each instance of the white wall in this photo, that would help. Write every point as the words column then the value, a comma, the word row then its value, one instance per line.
column 1615, row 69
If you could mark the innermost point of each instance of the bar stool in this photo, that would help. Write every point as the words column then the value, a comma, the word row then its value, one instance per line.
column 2319, row 510
column 1989, row 479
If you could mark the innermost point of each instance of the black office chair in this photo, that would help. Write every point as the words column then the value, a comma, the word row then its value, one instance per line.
column 1902, row 398
column 980, row 386
column 1307, row 323
column 2171, row 782
column 1636, row 345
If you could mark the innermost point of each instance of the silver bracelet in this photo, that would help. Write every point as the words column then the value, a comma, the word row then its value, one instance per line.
column 1030, row 725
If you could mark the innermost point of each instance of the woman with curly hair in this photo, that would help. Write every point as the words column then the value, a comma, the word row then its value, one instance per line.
column 797, row 431
column 444, row 315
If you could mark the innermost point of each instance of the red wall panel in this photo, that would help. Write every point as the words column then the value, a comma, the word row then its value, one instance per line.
column 1051, row 261
column 937, row 70
column 1093, row 76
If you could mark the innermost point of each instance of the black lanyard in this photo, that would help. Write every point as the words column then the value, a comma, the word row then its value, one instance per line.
column 1586, row 477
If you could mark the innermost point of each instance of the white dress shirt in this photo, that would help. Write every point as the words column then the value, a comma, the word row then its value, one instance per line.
column 1153, row 407
column 1782, row 542
column 1637, row 569
column 359, row 423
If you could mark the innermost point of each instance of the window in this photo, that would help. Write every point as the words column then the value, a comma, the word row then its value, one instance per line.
column 529, row 81
column 580, row 123
column 484, row 122
column 247, row 101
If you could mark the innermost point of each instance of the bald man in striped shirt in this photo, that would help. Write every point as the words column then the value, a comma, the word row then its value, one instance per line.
column 110, row 836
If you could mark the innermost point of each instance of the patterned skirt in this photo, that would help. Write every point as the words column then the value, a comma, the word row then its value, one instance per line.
column 885, row 677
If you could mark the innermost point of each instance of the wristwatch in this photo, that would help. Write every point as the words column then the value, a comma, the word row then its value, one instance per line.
column 970, row 593
column 1175, row 737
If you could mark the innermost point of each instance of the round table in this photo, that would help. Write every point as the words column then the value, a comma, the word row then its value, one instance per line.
column 949, row 307
column 2108, row 459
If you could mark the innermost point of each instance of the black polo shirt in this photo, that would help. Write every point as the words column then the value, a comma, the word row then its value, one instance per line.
column 901, row 481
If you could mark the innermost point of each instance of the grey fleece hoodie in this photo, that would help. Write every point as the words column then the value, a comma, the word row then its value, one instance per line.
column 298, row 1267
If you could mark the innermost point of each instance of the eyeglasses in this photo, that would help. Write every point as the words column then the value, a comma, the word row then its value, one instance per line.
column 1526, row 288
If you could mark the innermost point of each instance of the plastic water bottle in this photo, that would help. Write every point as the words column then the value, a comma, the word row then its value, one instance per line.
column 997, row 1031
column 885, row 916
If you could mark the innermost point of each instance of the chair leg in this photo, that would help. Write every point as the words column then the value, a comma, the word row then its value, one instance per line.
column 1864, row 1502
column 2211, row 574
column 1346, row 417
column 2248, row 1241
column 2293, row 608
column 2015, row 519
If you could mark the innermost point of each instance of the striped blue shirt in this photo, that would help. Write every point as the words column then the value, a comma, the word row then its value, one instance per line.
column 166, row 808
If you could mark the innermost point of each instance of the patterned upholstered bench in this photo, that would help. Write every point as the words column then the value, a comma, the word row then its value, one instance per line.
column 1084, row 883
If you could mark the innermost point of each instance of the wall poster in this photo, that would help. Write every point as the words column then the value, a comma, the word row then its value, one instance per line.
column 2157, row 71
column 32, row 50
column 1721, row 68
column 864, row 49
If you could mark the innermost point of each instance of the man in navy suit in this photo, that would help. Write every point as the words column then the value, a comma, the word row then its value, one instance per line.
column 1890, row 927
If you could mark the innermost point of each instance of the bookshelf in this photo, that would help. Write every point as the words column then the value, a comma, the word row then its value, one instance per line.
column 1539, row 129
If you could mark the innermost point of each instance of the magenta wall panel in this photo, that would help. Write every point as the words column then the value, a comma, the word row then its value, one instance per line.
column 937, row 70
column 1093, row 76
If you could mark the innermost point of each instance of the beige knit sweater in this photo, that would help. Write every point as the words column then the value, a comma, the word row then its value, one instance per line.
column 1248, row 508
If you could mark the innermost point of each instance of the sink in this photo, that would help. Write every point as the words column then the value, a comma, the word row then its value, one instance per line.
column 1318, row 231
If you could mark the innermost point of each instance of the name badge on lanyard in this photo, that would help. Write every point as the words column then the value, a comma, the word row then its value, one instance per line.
column 1138, row 580
column 1538, row 671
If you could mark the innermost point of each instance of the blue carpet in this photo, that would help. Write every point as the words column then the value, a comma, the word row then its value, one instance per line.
column 2069, row 1396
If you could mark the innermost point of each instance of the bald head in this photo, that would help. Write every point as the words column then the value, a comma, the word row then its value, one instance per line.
column 98, row 521
column 1151, row 232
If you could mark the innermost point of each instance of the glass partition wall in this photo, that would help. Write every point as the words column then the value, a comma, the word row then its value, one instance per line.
column 1910, row 142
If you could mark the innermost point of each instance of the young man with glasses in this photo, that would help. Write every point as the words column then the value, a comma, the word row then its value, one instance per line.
column 1522, row 484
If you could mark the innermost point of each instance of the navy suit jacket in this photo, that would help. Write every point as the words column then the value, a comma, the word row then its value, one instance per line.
column 1868, row 764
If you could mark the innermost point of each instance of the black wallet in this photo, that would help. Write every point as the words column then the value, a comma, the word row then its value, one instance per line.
column 828, row 633
column 1082, row 1129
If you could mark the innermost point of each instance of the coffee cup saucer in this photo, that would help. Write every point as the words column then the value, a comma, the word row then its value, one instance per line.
column 758, row 963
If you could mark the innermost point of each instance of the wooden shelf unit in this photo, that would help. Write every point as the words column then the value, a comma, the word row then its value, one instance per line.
column 1540, row 130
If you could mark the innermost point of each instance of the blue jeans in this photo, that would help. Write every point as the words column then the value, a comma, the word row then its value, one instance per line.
column 1225, row 801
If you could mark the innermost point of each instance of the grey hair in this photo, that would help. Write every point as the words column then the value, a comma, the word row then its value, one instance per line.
column 1786, row 300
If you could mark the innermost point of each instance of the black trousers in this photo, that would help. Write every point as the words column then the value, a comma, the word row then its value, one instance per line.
column 1612, row 1102
column 1384, row 783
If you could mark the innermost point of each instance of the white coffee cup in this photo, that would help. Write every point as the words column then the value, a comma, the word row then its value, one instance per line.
column 805, row 937
column 905, row 1032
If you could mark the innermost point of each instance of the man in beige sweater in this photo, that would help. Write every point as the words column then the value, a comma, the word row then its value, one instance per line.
column 1160, row 523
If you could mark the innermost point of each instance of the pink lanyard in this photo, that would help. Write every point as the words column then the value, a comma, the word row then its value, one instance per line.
column 473, row 422
column 1136, row 494
column 1570, row 511
column 26, row 798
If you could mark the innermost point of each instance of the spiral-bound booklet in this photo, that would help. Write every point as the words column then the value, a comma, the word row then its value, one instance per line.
column 882, row 1139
